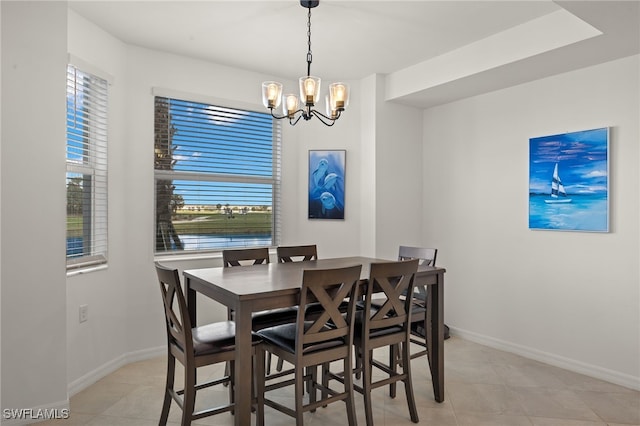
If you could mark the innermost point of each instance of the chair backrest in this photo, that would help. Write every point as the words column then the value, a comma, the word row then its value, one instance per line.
column 427, row 256
column 293, row 253
column 252, row 256
column 322, row 292
column 175, row 309
column 389, row 281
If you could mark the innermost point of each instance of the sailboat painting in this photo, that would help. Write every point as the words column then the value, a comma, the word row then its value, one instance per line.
column 569, row 181
column 558, row 194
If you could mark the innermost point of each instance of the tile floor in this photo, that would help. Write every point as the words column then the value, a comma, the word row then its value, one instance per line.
column 484, row 387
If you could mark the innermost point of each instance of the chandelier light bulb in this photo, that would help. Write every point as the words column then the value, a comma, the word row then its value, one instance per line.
column 309, row 90
column 339, row 94
column 290, row 105
column 330, row 108
column 271, row 91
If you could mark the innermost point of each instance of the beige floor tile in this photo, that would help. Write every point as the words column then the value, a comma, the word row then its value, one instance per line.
column 529, row 374
column 470, row 419
column 614, row 407
column 99, row 396
column 471, row 372
column 554, row 403
column 483, row 387
column 75, row 419
column 543, row 421
column 484, row 398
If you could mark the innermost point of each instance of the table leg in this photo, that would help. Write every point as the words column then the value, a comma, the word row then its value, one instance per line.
column 243, row 369
column 191, row 301
column 436, row 343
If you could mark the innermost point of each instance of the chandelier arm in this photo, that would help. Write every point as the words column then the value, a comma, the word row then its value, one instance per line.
column 327, row 121
column 294, row 122
column 277, row 117
column 280, row 117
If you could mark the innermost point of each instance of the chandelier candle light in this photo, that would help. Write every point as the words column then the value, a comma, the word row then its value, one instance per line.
column 336, row 101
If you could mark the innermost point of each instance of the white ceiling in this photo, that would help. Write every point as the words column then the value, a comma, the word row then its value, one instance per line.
column 431, row 51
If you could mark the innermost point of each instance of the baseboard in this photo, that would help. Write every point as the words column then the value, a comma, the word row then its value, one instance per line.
column 596, row 372
column 90, row 378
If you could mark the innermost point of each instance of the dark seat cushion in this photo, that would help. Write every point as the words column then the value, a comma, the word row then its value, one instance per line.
column 284, row 336
column 273, row 317
column 357, row 332
column 215, row 337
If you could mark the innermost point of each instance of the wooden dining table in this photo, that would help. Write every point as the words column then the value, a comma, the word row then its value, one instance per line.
column 249, row 289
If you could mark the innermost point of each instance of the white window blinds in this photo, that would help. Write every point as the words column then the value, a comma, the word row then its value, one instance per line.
column 217, row 177
column 86, row 169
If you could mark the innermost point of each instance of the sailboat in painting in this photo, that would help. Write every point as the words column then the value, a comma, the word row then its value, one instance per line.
column 558, row 194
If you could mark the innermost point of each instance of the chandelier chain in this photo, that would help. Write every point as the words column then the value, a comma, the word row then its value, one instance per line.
column 309, row 55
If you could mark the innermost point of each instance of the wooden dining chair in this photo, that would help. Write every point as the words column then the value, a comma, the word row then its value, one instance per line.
column 385, row 324
column 243, row 257
column 318, row 337
column 420, row 326
column 196, row 347
column 297, row 253
column 287, row 254
column 420, row 315
column 261, row 319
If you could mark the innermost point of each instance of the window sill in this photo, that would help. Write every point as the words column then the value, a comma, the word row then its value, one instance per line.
column 87, row 270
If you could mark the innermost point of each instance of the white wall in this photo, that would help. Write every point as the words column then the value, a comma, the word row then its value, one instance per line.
column 100, row 342
column 398, row 174
column 567, row 298
column 34, row 355
column 478, row 140
column 134, row 324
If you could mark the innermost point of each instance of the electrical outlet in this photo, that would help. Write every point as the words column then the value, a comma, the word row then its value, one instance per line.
column 84, row 313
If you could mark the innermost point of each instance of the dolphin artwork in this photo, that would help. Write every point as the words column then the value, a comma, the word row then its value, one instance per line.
column 328, row 202
column 319, row 174
column 326, row 185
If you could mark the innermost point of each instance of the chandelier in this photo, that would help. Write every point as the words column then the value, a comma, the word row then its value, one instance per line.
column 336, row 101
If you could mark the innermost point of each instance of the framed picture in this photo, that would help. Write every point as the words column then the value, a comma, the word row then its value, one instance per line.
column 326, row 184
column 569, row 181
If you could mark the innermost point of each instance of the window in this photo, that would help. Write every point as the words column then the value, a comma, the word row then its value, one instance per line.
column 86, row 169
column 217, row 177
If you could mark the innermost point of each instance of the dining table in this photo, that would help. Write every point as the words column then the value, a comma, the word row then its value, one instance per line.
column 249, row 289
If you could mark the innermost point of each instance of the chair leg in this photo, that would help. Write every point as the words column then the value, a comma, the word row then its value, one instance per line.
column 226, row 373
column 259, row 379
column 348, row 387
column 393, row 364
column 325, row 382
column 280, row 364
column 189, row 396
column 166, row 405
column 230, row 372
column 312, row 371
column 408, row 383
column 366, row 385
column 299, row 394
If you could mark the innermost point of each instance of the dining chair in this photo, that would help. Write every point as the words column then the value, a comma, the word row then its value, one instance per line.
column 387, row 323
column 294, row 253
column 261, row 319
column 420, row 329
column 196, row 347
column 317, row 337
column 287, row 254
column 243, row 257
column 420, row 315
